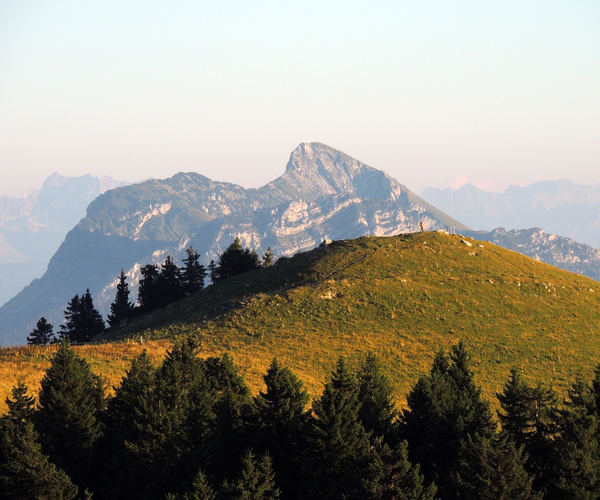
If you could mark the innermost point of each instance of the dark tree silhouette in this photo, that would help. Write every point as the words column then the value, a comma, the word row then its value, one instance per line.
column 338, row 439
column 377, row 408
column 25, row 472
column 236, row 260
column 444, row 408
column 68, row 416
column 149, row 292
column 82, row 320
column 268, row 258
column 121, row 308
column 169, row 283
column 193, row 273
column 42, row 334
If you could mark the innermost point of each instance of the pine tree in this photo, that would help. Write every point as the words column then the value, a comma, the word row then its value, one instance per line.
column 213, row 273
column 377, row 408
column 268, row 258
column 91, row 321
column 201, row 490
column 149, row 298
column 169, row 282
column 72, row 325
column 280, row 420
column 130, row 422
column 82, row 320
column 233, row 406
column 235, row 260
column 338, row 438
column 529, row 415
column 42, row 334
column 193, row 274
column 283, row 405
column 391, row 476
column 172, row 422
column 70, row 401
column 256, row 481
column 443, row 409
column 492, row 468
column 121, row 308
column 25, row 473
column 576, row 471
column 515, row 415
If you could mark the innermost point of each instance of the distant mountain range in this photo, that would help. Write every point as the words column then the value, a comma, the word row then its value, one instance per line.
column 549, row 248
column 559, row 207
column 323, row 194
column 32, row 228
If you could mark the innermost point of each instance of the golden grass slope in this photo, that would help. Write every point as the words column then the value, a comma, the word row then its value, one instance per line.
column 402, row 297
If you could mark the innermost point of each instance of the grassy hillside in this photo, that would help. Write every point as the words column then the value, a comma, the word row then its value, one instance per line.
column 401, row 297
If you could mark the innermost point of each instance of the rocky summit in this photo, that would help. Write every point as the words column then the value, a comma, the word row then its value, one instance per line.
column 323, row 194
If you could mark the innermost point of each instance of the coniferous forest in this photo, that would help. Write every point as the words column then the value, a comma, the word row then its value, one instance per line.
column 159, row 286
column 191, row 429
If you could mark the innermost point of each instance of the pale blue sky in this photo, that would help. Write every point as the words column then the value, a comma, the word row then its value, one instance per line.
column 496, row 92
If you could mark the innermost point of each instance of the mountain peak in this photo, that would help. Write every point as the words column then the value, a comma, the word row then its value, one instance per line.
column 312, row 155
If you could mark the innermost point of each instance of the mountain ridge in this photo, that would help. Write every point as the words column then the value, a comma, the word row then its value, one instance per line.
column 560, row 207
column 32, row 228
column 323, row 194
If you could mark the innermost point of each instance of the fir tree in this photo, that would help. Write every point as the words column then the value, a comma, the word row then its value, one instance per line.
column 172, row 421
column 283, row 404
column 91, row 322
column 82, row 320
column 256, row 481
column 149, row 298
column 576, row 471
column 131, row 421
column 515, row 415
column 529, row 415
column 595, row 389
column 193, row 273
column 233, row 406
column 213, row 273
column 121, row 308
column 391, row 476
column 72, row 324
column 492, row 468
column 169, row 282
column 377, row 408
column 443, row 409
column 338, row 438
column 21, row 407
column 70, row 401
column 26, row 473
column 201, row 490
column 42, row 334
column 268, row 258
column 280, row 420
column 235, row 260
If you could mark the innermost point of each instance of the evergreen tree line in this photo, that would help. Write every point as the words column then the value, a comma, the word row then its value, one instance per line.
column 159, row 286
column 190, row 429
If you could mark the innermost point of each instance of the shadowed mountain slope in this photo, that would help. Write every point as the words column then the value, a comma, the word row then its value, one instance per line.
column 32, row 228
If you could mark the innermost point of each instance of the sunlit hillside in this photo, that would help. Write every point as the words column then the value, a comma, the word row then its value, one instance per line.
column 402, row 297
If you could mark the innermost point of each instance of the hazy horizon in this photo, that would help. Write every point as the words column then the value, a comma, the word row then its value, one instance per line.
column 431, row 93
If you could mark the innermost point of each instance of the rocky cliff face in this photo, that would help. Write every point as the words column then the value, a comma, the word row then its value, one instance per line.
column 323, row 194
column 32, row 228
column 549, row 248
column 559, row 207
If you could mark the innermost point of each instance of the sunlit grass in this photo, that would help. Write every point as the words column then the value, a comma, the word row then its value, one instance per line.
column 401, row 297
